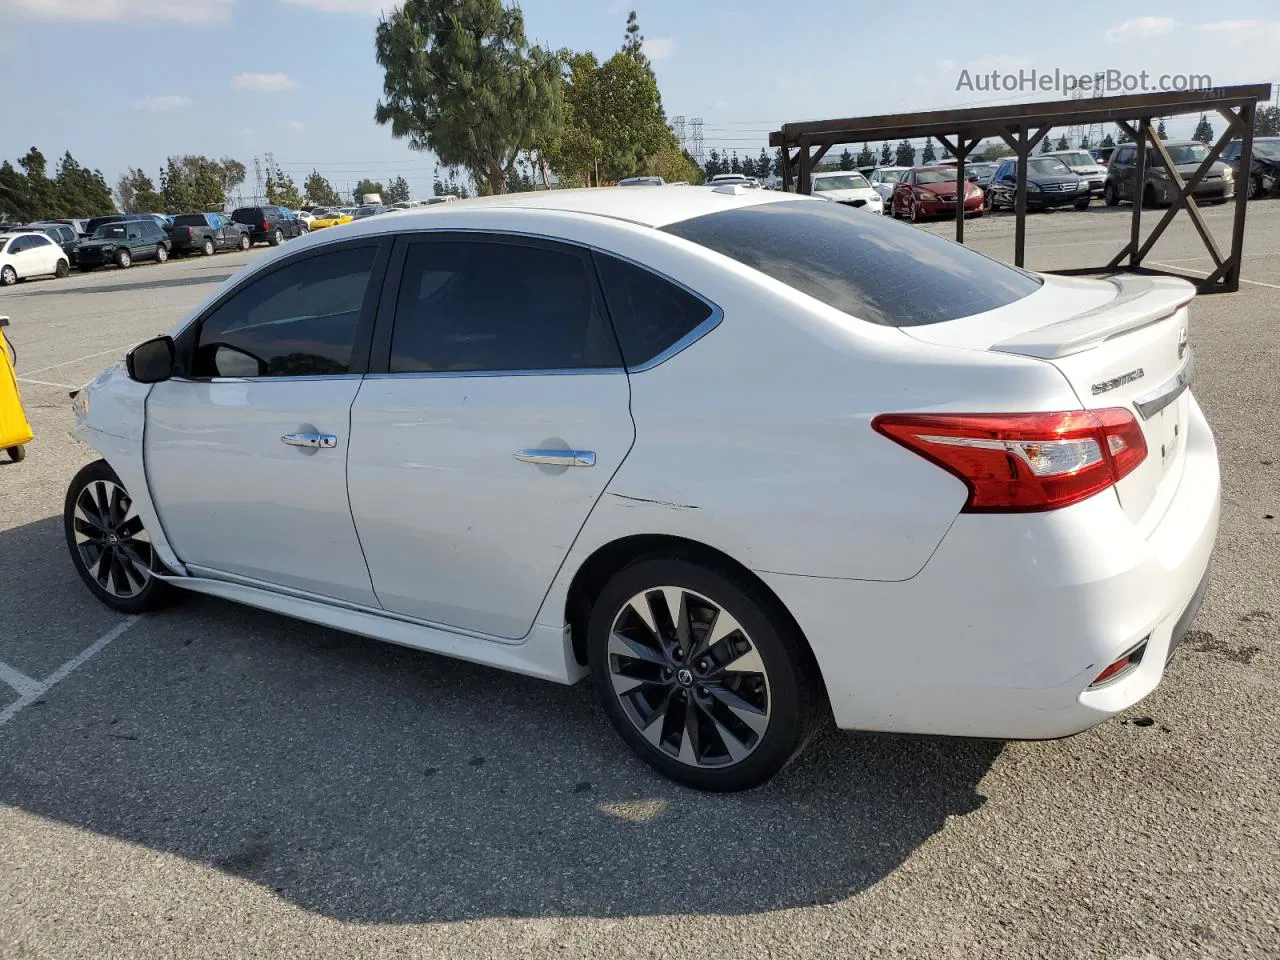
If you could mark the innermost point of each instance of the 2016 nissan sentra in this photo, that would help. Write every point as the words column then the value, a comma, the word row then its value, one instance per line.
column 739, row 456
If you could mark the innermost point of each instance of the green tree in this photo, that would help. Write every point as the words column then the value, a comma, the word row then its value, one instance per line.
column 365, row 186
column 1121, row 136
column 136, row 193
column 448, row 187
column 673, row 164
column 865, row 157
column 81, row 192
column 14, row 202
column 1161, row 132
column 1266, row 122
column 764, row 164
column 846, row 160
column 713, row 167
column 995, row 151
column 1046, row 144
column 928, row 155
column 633, row 42
column 41, row 192
column 397, row 191
column 1108, row 141
column 886, row 155
column 748, row 166
column 1061, row 144
column 192, row 184
column 906, row 154
column 282, row 190
column 735, row 165
column 1204, row 130
column 320, row 191
column 462, row 81
column 1084, row 142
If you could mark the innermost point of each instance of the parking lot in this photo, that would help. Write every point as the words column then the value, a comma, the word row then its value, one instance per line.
column 217, row 781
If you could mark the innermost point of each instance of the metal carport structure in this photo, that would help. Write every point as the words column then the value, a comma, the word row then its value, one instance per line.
column 1023, row 125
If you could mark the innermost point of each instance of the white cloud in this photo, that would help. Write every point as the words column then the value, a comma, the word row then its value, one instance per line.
column 296, row 125
column 262, row 82
column 370, row 7
column 1244, row 31
column 163, row 104
column 660, row 48
column 1141, row 27
column 138, row 11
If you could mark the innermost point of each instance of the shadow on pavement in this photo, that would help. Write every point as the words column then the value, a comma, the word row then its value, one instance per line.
column 63, row 291
column 376, row 784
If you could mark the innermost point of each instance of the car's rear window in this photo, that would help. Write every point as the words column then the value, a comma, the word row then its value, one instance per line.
column 190, row 220
column 870, row 267
column 248, row 215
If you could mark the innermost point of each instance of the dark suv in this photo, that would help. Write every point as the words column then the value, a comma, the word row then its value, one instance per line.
column 1158, row 187
column 269, row 224
column 121, row 242
column 1264, row 178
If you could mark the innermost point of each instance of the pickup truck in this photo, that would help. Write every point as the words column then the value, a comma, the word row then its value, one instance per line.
column 206, row 233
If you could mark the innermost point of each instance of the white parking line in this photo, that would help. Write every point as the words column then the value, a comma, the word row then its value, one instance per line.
column 46, row 383
column 35, row 689
column 1174, row 266
column 67, row 363
column 18, row 680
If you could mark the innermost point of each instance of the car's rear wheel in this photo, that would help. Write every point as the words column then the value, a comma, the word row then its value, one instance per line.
column 109, row 545
column 124, row 258
column 17, row 453
column 1109, row 195
column 62, row 269
column 8, row 276
column 276, row 238
column 707, row 680
column 244, row 241
column 207, row 248
column 162, row 253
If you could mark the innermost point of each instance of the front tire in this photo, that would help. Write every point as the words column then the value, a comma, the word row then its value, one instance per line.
column 8, row 277
column 110, row 548
column 17, row 453
column 244, row 241
column 207, row 248
column 662, row 637
column 124, row 259
column 1082, row 204
column 1109, row 195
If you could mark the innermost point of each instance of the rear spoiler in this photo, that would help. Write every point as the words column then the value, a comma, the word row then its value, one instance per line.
column 1140, row 301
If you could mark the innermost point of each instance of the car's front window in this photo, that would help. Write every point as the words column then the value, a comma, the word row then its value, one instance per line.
column 1270, row 149
column 935, row 176
column 890, row 176
column 110, row 231
column 1048, row 167
column 848, row 181
column 869, row 267
column 1186, row 153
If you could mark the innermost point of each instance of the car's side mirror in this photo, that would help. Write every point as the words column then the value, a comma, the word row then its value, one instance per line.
column 151, row 361
column 972, row 178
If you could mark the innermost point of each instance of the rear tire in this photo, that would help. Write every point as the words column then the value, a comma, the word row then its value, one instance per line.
column 17, row 453
column 110, row 548
column 62, row 269
column 674, row 701
column 8, row 277
column 245, row 243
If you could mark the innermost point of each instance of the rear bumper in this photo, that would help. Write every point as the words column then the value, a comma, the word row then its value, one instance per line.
column 1003, row 630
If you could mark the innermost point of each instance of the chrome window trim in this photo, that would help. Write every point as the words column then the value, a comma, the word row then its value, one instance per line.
column 299, row 379
column 552, row 372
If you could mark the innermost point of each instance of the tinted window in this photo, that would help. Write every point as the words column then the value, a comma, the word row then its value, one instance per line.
column 190, row 220
column 489, row 305
column 247, row 215
column 649, row 313
column 92, row 226
column 18, row 245
column 37, row 240
column 299, row 320
column 871, row 268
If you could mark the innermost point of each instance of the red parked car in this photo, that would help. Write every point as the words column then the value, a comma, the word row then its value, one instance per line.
column 931, row 192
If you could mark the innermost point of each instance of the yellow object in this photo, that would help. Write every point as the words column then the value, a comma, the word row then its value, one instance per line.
column 15, row 431
column 336, row 221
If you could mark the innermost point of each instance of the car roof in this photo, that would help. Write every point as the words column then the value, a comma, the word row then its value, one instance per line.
column 653, row 208
column 833, row 173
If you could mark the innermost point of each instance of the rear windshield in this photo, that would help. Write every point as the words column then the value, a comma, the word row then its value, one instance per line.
column 190, row 220
column 870, row 267
column 248, row 215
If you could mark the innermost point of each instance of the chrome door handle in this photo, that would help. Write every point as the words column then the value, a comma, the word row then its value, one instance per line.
column 558, row 458
column 314, row 441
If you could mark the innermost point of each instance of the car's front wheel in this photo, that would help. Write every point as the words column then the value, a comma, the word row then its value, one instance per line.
column 244, row 241
column 1109, row 195
column 109, row 545
column 8, row 276
column 1082, row 204
column 124, row 259
column 705, row 678
column 207, row 247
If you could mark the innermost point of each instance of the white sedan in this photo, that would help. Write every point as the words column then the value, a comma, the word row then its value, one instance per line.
column 27, row 255
column 848, row 187
column 739, row 456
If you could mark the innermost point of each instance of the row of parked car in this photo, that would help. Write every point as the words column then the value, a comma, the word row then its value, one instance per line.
column 1057, row 178
column 54, row 247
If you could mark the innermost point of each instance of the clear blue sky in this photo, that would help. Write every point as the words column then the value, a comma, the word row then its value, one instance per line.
column 127, row 82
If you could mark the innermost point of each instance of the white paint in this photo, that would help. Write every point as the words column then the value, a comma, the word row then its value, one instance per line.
column 68, row 363
column 46, row 383
column 71, row 666
column 1171, row 265
column 17, row 679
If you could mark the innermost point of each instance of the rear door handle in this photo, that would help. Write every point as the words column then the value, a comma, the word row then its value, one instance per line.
column 314, row 441
column 558, row 458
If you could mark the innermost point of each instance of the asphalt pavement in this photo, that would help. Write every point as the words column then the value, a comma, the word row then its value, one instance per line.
column 214, row 781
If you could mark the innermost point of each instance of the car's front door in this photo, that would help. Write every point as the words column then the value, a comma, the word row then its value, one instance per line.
column 246, row 450
column 502, row 412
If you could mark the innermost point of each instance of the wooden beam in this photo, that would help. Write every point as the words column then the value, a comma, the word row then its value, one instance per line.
column 817, row 157
column 803, row 182
column 1231, row 279
column 1139, row 186
column 1023, row 149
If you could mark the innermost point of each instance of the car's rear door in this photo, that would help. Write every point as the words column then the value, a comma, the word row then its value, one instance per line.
column 246, row 449
column 501, row 414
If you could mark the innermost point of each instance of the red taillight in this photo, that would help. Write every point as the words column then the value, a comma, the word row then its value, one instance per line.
column 189, row 231
column 265, row 225
column 1119, row 668
column 1013, row 462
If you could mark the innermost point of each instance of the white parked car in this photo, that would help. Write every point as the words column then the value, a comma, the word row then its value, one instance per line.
column 740, row 456
column 848, row 187
column 1083, row 165
column 884, row 180
column 27, row 255
column 306, row 216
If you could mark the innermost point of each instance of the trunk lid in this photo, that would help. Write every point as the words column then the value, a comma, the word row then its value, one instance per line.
column 1120, row 342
